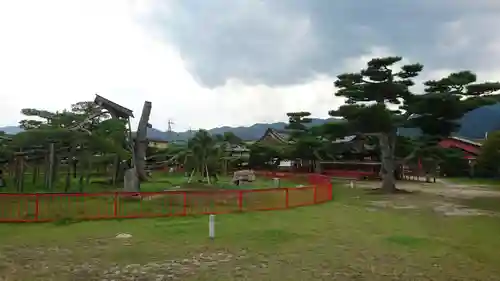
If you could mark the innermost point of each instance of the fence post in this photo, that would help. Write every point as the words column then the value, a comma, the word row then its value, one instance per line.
column 240, row 200
column 315, row 191
column 184, row 204
column 286, row 198
column 115, row 207
column 37, row 207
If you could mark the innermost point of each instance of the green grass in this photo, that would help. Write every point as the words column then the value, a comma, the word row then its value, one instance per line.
column 159, row 182
column 340, row 240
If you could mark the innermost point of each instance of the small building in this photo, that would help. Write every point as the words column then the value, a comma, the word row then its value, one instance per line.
column 157, row 143
column 238, row 151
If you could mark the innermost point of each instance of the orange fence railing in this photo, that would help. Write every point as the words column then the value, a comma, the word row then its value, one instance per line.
column 44, row 207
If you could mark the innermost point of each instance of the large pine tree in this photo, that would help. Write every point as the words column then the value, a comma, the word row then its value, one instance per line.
column 369, row 95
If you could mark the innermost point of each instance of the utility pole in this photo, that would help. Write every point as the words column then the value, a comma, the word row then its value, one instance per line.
column 169, row 130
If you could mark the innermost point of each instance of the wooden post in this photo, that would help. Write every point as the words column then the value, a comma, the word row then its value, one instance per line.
column 46, row 171
column 116, row 169
column 80, row 183
column 141, row 142
column 133, row 164
column 35, row 173
column 37, row 207
column 21, row 174
column 15, row 173
column 286, row 198
column 51, row 169
column 67, row 182
column 69, row 163
column 88, row 170
column 115, row 203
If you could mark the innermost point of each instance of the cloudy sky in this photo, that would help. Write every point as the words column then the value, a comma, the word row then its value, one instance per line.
column 226, row 62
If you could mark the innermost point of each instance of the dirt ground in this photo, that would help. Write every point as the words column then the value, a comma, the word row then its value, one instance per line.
column 442, row 197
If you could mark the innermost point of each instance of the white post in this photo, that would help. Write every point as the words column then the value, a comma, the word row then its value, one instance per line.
column 211, row 226
column 352, row 184
column 276, row 182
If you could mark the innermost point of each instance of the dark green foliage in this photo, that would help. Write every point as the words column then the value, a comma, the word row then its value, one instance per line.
column 228, row 137
column 446, row 100
column 488, row 162
column 453, row 164
column 438, row 111
column 206, row 154
column 297, row 122
column 379, row 85
column 378, row 82
column 80, row 139
column 267, row 156
column 404, row 147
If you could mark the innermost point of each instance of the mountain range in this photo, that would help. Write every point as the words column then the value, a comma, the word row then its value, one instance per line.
column 474, row 125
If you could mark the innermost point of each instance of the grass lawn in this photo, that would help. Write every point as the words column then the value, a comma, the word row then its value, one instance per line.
column 341, row 240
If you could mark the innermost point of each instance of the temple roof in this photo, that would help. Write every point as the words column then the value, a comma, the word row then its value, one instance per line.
column 275, row 134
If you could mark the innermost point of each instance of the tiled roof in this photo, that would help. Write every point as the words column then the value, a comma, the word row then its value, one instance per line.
column 280, row 136
column 466, row 141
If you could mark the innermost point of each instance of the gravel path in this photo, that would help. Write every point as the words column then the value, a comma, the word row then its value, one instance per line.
column 441, row 187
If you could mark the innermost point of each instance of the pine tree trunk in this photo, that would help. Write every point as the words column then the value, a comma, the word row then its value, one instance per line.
column 387, row 170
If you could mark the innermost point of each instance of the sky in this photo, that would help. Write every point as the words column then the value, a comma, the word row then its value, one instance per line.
column 206, row 64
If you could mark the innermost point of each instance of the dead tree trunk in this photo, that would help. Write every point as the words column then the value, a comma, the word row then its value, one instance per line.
column 141, row 142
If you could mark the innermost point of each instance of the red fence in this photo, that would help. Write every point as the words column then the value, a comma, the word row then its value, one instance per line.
column 44, row 207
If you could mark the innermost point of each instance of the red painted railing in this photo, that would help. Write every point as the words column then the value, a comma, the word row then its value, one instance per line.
column 44, row 207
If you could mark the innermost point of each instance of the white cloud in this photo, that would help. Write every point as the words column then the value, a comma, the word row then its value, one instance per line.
column 55, row 53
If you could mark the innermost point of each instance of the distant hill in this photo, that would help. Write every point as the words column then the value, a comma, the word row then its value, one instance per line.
column 253, row 132
column 11, row 130
column 476, row 123
column 474, row 126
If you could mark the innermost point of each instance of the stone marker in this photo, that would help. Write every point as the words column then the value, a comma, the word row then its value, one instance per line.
column 243, row 175
column 130, row 181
